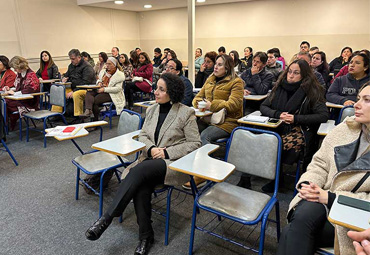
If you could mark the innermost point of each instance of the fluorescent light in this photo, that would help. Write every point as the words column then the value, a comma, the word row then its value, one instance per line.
column 118, row 2
column 201, row 1
column 148, row 6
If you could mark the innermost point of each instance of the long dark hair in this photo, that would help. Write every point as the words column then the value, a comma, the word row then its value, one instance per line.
column 5, row 61
column 310, row 85
column 134, row 58
column 236, row 57
column 147, row 59
column 229, row 65
column 42, row 63
column 324, row 65
column 341, row 52
column 127, row 62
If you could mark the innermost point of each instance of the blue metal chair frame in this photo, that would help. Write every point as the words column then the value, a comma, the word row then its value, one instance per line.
column 323, row 252
column 9, row 152
column 262, row 217
column 341, row 114
column 102, row 171
column 108, row 113
column 44, row 119
column 5, row 120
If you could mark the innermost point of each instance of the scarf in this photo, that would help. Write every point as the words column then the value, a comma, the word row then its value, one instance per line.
column 289, row 97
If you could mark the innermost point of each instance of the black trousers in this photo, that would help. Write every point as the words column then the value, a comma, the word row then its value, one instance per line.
column 130, row 89
column 139, row 185
column 93, row 99
column 308, row 229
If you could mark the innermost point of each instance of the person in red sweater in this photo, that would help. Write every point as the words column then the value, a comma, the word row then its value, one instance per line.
column 7, row 76
column 25, row 82
column 48, row 69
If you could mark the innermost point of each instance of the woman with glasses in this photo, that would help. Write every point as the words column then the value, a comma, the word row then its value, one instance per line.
column 169, row 132
column 298, row 100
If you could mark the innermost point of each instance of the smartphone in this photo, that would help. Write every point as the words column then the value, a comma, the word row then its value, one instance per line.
column 353, row 202
column 273, row 121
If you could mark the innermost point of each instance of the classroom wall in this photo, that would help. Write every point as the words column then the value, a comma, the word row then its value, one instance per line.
column 329, row 24
column 60, row 25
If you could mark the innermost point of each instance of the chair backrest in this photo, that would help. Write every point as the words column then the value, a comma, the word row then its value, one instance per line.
column 58, row 95
column 129, row 121
column 254, row 151
column 345, row 112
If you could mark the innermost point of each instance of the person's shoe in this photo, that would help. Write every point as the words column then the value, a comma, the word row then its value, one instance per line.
column 97, row 229
column 199, row 182
column 269, row 187
column 144, row 246
column 245, row 182
column 87, row 114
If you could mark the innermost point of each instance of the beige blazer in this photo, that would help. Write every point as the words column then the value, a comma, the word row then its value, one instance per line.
column 179, row 134
column 115, row 89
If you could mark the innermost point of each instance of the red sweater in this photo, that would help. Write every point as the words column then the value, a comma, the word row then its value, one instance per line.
column 44, row 74
column 7, row 79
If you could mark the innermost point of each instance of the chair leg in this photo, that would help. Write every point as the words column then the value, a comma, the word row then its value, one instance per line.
column 9, row 152
column 262, row 235
column 27, row 129
column 192, row 233
column 169, row 193
column 44, row 131
column 77, row 182
column 277, row 210
column 101, row 195
column 297, row 175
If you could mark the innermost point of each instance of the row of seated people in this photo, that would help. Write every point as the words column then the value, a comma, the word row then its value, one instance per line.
column 298, row 100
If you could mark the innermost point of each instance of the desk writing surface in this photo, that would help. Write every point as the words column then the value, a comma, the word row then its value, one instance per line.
column 325, row 128
column 255, row 97
column 49, row 81
column 82, row 132
column 19, row 97
column 145, row 104
column 90, row 86
column 331, row 105
column 349, row 217
column 122, row 145
column 201, row 114
column 199, row 163
column 261, row 124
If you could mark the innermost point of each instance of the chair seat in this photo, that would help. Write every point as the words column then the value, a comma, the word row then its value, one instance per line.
column 235, row 201
column 40, row 114
column 98, row 161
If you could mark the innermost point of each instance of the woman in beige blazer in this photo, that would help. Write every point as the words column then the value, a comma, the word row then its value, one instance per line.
column 170, row 132
column 340, row 167
column 111, row 90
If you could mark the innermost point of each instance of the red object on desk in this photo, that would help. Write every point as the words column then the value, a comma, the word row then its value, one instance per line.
column 69, row 129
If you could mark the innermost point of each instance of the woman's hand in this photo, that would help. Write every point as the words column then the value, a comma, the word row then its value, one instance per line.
column 202, row 67
column 348, row 103
column 101, row 90
column 246, row 92
column 361, row 241
column 40, row 79
column 6, row 88
column 157, row 153
column 100, row 84
column 65, row 79
column 313, row 193
column 208, row 105
column 10, row 92
column 69, row 95
column 287, row 118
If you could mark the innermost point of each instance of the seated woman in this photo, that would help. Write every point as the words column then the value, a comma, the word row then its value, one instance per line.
column 100, row 65
column 222, row 90
column 206, row 69
column 345, row 88
column 171, row 54
column 7, row 76
column 126, row 66
column 27, row 83
column 338, row 168
column 111, row 90
column 199, row 60
column 88, row 58
column 344, row 58
column 48, row 69
column 248, row 57
column 320, row 65
column 169, row 132
column 279, row 57
column 144, row 71
column 298, row 100
column 239, row 66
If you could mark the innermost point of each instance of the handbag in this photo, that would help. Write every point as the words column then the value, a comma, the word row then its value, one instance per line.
column 218, row 117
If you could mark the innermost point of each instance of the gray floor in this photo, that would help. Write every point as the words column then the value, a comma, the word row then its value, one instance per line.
column 39, row 213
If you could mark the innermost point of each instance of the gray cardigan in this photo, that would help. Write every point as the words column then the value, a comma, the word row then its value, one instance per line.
column 179, row 134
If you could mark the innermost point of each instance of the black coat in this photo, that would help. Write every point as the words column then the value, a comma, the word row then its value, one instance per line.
column 53, row 72
column 81, row 74
column 309, row 118
column 201, row 77
column 336, row 64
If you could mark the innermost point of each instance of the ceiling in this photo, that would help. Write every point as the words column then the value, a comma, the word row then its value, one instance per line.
column 138, row 5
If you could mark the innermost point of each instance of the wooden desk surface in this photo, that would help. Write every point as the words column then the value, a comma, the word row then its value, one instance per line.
column 145, row 104
column 331, row 105
column 199, row 163
column 49, row 81
column 349, row 217
column 82, row 132
column 64, row 83
column 122, row 145
column 90, row 86
column 325, row 128
column 261, row 124
column 255, row 97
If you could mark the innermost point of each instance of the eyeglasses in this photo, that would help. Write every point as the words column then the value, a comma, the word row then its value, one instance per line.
column 294, row 72
column 170, row 68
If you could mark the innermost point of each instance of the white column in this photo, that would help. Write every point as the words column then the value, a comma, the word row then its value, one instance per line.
column 191, row 39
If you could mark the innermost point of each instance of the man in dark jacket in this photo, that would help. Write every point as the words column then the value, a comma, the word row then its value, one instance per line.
column 157, row 57
column 79, row 72
column 272, row 66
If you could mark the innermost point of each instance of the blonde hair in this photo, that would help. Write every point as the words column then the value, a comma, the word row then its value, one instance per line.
column 18, row 62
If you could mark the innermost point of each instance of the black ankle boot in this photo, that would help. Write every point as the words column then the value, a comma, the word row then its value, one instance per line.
column 144, row 246
column 97, row 229
column 245, row 182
